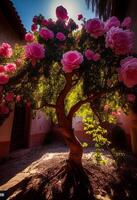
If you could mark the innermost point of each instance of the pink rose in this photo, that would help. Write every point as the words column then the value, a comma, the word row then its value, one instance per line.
column 112, row 21
column 34, row 51
column 119, row 40
column 131, row 97
column 80, row 16
column 2, row 69
column 96, row 57
column 61, row 13
column 89, row 54
column 71, row 60
column 60, row 36
column 4, row 78
column 95, row 27
column 10, row 67
column 4, row 109
column 127, row 22
column 9, row 96
column 44, row 22
column 46, row 34
column 6, row 50
column 34, row 27
column 35, row 19
column 18, row 98
column 29, row 37
column 128, row 71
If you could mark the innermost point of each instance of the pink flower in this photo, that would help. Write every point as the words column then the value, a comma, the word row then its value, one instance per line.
column 114, row 113
column 61, row 13
column 89, row 54
column 128, row 71
column 34, row 51
column 60, row 36
column 34, row 27
column 112, row 21
column 9, row 96
column 119, row 40
column 29, row 37
column 35, row 19
column 95, row 27
column 10, row 67
column 71, row 60
column 127, row 22
column 18, row 98
column 131, row 97
column 106, row 108
column 80, row 16
column 46, row 34
column 2, row 69
column 96, row 57
column 44, row 22
column 6, row 50
column 4, row 109
column 4, row 78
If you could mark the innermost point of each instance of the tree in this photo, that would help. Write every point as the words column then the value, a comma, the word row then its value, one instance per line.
column 107, row 8
column 58, row 56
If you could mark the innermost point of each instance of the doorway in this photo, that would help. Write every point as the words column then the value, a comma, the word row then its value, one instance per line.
column 19, row 135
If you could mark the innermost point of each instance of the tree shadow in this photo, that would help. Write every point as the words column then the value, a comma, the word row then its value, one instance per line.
column 19, row 160
column 68, row 183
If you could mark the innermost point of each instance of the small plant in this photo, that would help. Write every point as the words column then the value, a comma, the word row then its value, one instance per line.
column 92, row 126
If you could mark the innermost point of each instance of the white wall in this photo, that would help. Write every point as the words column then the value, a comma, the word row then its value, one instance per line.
column 40, row 124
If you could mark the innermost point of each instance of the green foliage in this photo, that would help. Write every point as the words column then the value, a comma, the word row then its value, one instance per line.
column 92, row 126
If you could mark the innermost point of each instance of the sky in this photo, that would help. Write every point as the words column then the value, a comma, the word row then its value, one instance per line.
column 28, row 8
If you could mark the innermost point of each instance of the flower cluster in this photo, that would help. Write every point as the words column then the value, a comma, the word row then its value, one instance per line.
column 5, row 50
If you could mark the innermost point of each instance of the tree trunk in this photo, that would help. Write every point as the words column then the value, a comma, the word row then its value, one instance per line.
column 76, row 149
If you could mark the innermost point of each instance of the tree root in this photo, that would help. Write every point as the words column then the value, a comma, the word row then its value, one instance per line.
column 69, row 183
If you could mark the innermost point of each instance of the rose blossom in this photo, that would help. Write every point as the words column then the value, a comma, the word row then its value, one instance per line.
column 89, row 54
column 112, row 21
column 80, row 16
column 4, row 78
column 35, row 51
column 29, row 37
column 35, row 19
column 61, row 13
column 128, row 71
column 4, row 109
column 131, row 97
column 44, row 22
column 34, row 27
column 71, row 60
column 96, row 57
column 18, row 98
column 95, row 27
column 126, row 22
column 2, row 69
column 60, row 36
column 46, row 34
column 9, row 96
column 10, row 67
column 6, row 50
column 119, row 40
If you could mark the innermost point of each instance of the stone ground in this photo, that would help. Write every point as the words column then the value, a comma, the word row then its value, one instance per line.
column 27, row 163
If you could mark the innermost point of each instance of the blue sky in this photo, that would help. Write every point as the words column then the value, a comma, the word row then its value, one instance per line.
column 28, row 8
